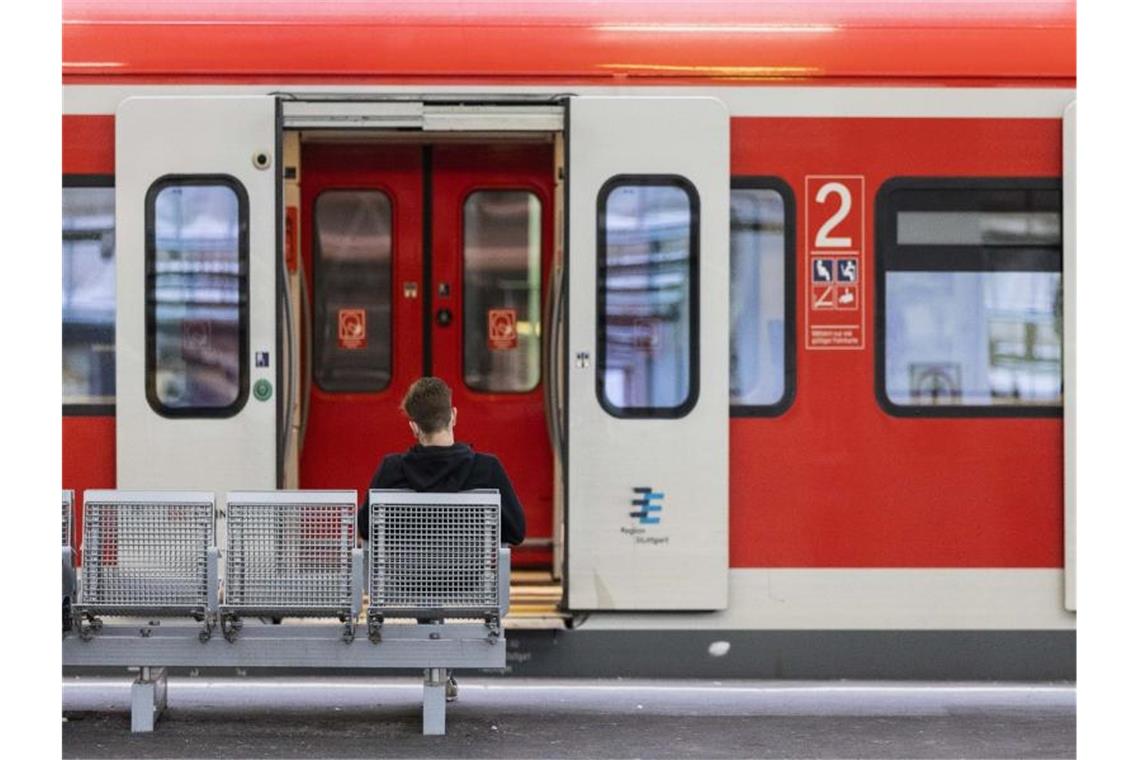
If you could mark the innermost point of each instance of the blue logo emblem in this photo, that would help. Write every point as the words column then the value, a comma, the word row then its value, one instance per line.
column 649, row 502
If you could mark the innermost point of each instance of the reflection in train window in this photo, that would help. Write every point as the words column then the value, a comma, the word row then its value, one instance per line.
column 979, row 228
column 89, row 296
column 502, row 277
column 197, row 296
column 352, row 280
column 970, row 275
column 757, row 254
column 973, row 338
column 647, row 290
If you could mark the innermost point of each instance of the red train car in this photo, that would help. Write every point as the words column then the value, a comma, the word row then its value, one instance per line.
column 761, row 304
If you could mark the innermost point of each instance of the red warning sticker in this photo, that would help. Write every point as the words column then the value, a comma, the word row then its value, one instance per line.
column 502, row 329
column 835, row 276
column 352, row 329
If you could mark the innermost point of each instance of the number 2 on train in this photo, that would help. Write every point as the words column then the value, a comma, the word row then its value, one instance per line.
column 823, row 238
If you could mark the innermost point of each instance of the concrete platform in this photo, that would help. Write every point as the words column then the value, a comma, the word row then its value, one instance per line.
column 380, row 717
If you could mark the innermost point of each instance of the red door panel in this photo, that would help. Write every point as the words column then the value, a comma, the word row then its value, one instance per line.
column 348, row 431
column 492, row 206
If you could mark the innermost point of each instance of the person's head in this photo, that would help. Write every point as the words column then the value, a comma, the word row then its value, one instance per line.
column 427, row 405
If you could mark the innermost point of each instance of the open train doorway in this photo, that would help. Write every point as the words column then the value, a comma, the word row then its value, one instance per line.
column 428, row 256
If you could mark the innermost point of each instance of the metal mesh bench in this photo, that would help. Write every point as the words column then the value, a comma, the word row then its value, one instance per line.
column 291, row 554
column 434, row 555
column 149, row 554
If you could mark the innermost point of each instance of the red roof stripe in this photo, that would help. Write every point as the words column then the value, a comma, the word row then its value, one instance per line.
column 562, row 40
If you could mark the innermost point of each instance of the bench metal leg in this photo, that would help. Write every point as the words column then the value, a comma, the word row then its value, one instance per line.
column 148, row 699
column 435, row 702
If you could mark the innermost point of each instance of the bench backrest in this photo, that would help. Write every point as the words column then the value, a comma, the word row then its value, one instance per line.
column 290, row 553
column 434, row 554
column 147, row 552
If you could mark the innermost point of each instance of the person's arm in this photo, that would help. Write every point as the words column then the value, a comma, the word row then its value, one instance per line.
column 513, row 520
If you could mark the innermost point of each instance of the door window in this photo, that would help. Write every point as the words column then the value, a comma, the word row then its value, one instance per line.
column 502, row 288
column 197, row 296
column 352, row 321
column 647, row 291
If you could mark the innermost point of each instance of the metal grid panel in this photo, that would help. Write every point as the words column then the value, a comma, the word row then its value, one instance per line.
column 68, row 501
column 290, row 553
column 434, row 553
column 146, row 552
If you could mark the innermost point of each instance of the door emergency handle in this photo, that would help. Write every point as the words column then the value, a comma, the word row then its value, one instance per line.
column 443, row 317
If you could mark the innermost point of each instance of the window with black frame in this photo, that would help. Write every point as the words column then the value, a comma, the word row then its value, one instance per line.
column 648, row 354
column 761, row 371
column 197, row 296
column 969, row 297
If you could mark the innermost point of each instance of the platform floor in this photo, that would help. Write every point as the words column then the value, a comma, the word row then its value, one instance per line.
column 514, row 718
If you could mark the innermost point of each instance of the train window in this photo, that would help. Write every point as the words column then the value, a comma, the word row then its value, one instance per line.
column 88, row 295
column 762, row 297
column 197, row 296
column 969, row 297
column 647, row 292
column 502, row 286
column 352, row 279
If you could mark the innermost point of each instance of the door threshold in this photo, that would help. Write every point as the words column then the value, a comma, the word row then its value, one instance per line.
column 524, row 622
column 536, row 601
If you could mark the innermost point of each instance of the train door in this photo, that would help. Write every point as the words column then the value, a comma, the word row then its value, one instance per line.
column 647, row 383
column 361, row 211
column 491, row 247
column 423, row 259
column 196, row 252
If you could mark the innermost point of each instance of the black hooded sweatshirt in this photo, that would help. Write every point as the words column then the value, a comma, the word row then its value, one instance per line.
column 447, row 469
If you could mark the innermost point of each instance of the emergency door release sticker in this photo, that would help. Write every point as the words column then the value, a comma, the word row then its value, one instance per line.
column 834, row 210
column 352, row 329
column 502, row 329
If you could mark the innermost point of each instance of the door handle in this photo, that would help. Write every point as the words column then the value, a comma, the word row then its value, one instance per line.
column 443, row 317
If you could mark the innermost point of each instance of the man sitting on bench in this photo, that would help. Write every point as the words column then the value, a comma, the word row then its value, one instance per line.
column 438, row 464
